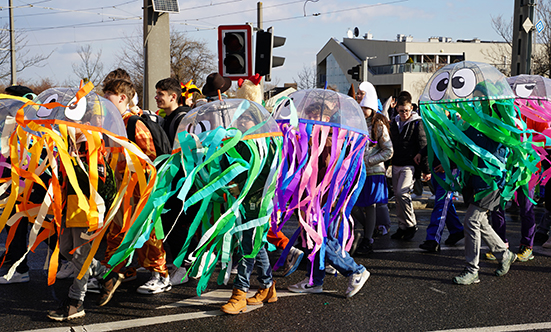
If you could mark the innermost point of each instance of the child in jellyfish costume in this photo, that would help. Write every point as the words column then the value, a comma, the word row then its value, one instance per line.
column 325, row 135
column 228, row 150
column 488, row 143
column 76, row 137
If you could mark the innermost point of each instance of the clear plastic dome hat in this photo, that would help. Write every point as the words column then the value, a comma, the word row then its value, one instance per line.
column 466, row 81
column 91, row 110
column 326, row 107
column 531, row 86
column 9, row 105
column 252, row 119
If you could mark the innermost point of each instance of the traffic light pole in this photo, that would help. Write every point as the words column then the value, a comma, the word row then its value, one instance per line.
column 156, row 43
column 12, row 47
column 260, row 26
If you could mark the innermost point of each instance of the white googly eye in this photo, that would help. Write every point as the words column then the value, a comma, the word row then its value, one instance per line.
column 44, row 112
column 189, row 127
column 75, row 111
column 439, row 86
column 463, row 82
column 202, row 127
column 525, row 90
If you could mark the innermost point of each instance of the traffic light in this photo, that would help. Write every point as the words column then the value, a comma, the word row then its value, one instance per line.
column 235, row 51
column 264, row 60
column 355, row 72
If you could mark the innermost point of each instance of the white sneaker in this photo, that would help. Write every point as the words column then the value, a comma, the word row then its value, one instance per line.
column 356, row 283
column 17, row 278
column 305, row 287
column 330, row 270
column 92, row 286
column 292, row 262
column 155, row 285
column 67, row 270
column 179, row 276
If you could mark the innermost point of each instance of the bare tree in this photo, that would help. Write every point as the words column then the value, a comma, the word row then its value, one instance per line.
column 23, row 60
column 306, row 77
column 541, row 58
column 91, row 67
column 499, row 54
column 189, row 59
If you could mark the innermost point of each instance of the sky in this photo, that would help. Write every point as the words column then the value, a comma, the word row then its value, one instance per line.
column 62, row 26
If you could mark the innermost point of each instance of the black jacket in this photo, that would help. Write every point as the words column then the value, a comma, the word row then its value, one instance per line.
column 408, row 141
column 170, row 123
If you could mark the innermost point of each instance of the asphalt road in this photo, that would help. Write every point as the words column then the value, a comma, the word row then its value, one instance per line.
column 408, row 291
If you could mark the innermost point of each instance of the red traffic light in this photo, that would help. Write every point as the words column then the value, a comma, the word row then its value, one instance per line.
column 235, row 51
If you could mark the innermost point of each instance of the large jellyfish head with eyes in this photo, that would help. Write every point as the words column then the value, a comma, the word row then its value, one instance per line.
column 68, row 141
column 252, row 120
column 63, row 105
column 533, row 97
column 466, row 100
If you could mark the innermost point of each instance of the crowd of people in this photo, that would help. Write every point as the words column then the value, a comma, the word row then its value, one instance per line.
column 396, row 157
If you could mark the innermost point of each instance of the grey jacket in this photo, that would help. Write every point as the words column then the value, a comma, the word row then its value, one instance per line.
column 376, row 154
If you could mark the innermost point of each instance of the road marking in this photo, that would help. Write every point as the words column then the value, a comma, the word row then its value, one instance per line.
column 216, row 296
column 517, row 327
column 437, row 290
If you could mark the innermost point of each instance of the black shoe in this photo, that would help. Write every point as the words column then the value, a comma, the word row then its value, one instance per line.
column 364, row 249
column 357, row 237
column 398, row 235
column 107, row 287
column 69, row 309
column 409, row 233
column 454, row 238
column 540, row 237
column 430, row 246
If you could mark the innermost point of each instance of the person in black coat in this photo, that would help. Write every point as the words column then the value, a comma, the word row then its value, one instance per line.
column 408, row 138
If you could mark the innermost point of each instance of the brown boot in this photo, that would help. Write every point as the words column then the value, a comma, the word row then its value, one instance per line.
column 263, row 295
column 236, row 304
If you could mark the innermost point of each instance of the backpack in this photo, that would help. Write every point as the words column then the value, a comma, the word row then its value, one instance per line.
column 175, row 124
column 153, row 122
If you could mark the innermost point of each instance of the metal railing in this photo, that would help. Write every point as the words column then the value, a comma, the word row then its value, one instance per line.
column 406, row 68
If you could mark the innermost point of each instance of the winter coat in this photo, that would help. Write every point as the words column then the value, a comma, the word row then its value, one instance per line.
column 376, row 154
column 407, row 140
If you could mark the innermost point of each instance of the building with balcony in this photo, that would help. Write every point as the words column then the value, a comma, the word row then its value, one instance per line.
column 402, row 64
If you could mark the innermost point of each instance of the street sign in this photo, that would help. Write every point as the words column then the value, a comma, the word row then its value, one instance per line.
column 527, row 25
column 540, row 26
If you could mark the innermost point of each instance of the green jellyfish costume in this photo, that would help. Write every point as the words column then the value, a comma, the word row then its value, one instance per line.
column 467, row 97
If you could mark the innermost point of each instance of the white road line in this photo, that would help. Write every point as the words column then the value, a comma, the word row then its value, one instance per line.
column 134, row 323
column 517, row 327
column 216, row 296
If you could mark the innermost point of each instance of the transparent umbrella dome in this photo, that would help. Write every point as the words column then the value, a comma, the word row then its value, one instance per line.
column 247, row 116
column 326, row 107
column 8, row 107
column 92, row 109
column 465, row 81
column 530, row 86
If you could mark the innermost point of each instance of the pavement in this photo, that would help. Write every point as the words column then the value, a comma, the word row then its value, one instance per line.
column 408, row 290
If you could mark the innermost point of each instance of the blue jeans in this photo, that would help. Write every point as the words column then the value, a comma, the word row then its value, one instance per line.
column 245, row 265
column 333, row 254
column 443, row 213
